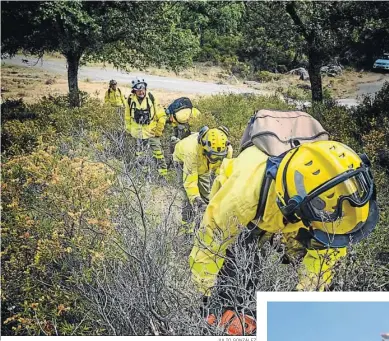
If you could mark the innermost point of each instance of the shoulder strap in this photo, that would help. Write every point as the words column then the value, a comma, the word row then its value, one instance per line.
column 130, row 103
column 269, row 175
column 256, row 233
column 151, row 96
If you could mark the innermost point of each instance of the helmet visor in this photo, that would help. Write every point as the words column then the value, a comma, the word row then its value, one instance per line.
column 214, row 157
column 326, row 202
column 139, row 86
column 343, row 240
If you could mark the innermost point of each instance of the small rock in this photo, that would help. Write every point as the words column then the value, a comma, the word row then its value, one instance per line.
column 302, row 72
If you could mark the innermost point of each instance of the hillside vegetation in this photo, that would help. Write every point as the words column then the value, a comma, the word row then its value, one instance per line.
column 91, row 239
column 91, row 246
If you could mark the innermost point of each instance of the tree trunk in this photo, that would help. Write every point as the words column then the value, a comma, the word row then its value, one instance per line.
column 73, row 60
column 315, row 75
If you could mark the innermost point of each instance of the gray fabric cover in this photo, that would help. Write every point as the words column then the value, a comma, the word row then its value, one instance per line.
column 275, row 132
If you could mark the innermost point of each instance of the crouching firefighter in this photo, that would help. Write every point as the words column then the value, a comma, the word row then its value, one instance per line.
column 319, row 195
column 181, row 114
column 195, row 158
column 145, row 120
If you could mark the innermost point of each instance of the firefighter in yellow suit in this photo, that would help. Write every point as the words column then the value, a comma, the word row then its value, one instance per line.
column 196, row 157
column 182, row 120
column 114, row 96
column 320, row 196
column 145, row 119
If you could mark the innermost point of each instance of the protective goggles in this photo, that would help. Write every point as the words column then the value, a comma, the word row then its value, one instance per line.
column 357, row 186
column 139, row 86
column 361, row 231
column 214, row 157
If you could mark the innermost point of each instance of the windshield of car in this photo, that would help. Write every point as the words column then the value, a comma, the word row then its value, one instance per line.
column 385, row 56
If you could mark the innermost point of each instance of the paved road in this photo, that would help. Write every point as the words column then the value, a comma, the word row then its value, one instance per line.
column 373, row 87
column 99, row 74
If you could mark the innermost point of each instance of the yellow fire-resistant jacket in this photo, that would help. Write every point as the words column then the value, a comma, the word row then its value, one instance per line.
column 145, row 131
column 195, row 164
column 115, row 98
column 233, row 201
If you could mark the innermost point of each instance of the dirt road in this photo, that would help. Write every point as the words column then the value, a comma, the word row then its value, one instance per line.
column 98, row 74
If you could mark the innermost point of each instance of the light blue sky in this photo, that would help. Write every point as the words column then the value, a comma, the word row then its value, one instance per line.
column 327, row 321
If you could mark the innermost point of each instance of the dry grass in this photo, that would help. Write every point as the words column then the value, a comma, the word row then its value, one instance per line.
column 344, row 86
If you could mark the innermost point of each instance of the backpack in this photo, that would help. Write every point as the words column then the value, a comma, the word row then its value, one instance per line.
column 275, row 131
column 142, row 116
column 177, row 105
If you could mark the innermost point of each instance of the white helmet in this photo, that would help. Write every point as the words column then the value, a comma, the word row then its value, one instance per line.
column 138, row 83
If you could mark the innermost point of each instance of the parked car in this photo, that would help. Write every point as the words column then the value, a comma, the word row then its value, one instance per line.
column 382, row 63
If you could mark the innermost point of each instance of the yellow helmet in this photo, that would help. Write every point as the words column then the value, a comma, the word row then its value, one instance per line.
column 328, row 187
column 214, row 142
column 184, row 115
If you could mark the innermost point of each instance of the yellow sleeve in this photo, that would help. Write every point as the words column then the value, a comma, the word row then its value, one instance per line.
column 160, row 117
column 233, row 204
column 316, row 271
column 223, row 173
column 127, row 118
column 227, row 209
column 123, row 100
column 190, row 177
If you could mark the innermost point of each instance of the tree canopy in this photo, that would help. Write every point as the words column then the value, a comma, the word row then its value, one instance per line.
column 242, row 36
column 122, row 33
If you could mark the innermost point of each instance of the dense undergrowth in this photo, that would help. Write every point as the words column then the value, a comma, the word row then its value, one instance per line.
column 91, row 246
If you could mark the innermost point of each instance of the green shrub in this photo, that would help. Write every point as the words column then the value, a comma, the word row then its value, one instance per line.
column 237, row 68
column 56, row 218
column 297, row 93
column 266, row 76
column 234, row 111
column 24, row 125
column 282, row 69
